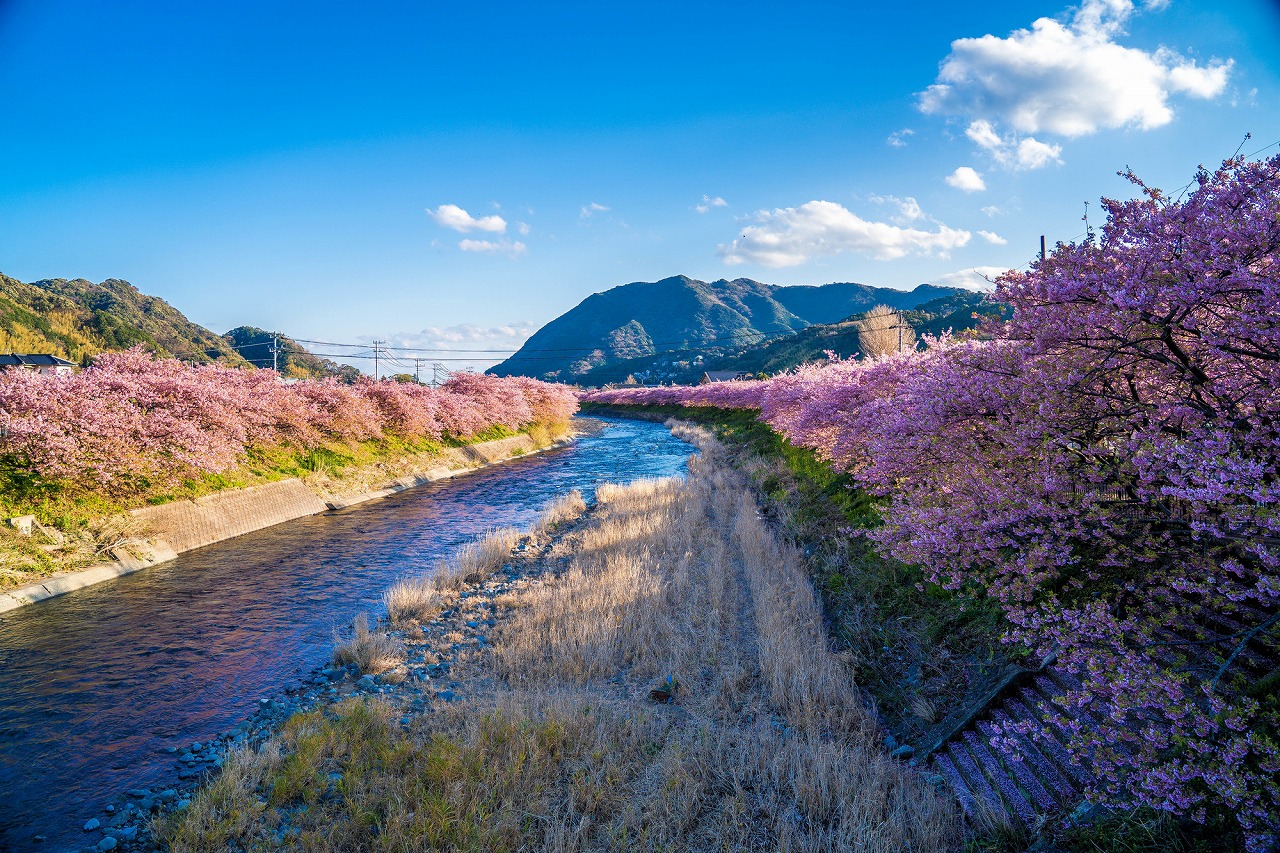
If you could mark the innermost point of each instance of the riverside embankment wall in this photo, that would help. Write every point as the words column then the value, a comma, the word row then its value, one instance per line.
column 172, row 528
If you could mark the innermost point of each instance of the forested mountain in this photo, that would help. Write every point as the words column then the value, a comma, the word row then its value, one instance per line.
column 642, row 322
column 76, row 319
column 956, row 312
column 292, row 359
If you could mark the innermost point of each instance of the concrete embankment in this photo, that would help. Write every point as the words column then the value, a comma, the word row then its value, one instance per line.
column 180, row 526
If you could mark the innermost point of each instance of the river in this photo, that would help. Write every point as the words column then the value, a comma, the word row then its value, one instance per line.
column 94, row 685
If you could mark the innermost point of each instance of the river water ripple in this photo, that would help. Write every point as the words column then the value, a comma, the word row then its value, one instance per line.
column 95, row 684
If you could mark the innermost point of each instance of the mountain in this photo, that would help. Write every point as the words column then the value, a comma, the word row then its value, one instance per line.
column 679, row 314
column 956, row 312
column 77, row 319
column 291, row 359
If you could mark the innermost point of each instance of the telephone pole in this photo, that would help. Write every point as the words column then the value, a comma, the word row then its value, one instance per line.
column 376, row 344
column 275, row 349
column 417, row 364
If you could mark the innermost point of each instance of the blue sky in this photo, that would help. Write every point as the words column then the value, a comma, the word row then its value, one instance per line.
column 455, row 175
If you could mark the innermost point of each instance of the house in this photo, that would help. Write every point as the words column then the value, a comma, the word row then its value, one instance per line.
column 723, row 376
column 37, row 362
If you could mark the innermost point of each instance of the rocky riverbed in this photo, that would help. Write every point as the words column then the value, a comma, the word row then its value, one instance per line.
column 444, row 662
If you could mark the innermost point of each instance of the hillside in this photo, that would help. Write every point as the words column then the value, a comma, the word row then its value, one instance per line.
column 644, row 319
column 957, row 312
column 293, row 360
column 76, row 319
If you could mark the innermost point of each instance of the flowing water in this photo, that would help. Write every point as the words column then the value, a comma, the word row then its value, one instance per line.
column 95, row 684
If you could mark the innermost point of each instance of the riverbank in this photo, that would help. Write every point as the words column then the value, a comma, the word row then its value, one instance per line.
column 657, row 677
column 149, row 536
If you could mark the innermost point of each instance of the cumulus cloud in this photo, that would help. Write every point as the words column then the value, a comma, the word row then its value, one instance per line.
column 510, row 248
column 452, row 216
column 1010, row 151
column 1069, row 79
column 898, row 139
column 522, row 228
column 974, row 278
column 993, row 238
column 591, row 210
column 966, row 179
column 708, row 202
column 793, row 235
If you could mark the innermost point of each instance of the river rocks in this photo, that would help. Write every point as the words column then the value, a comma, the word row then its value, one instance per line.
column 367, row 682
column 107, row 843
column 91, row 824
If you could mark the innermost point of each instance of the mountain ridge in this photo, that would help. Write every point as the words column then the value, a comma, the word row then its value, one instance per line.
column 679, row 313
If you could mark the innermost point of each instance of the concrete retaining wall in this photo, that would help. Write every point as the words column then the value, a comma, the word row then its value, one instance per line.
column 183, row 525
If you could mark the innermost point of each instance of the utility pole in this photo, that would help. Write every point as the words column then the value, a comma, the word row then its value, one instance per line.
column 275, row 348
column 1042, row 247
column 417, row 363
column 376, row 344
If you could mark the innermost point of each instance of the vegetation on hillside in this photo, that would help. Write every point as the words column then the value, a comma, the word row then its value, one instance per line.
column 957, row 312
column 77, row 319
column 291, row 359
column 679, row 318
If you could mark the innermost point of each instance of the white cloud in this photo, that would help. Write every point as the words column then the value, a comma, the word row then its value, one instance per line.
column 410, row 351
column 793, row 235
column 974, row 278
column 1069, row 79
column 708, row 202
column 452, row 216
column 992, row 238
column 966, row 179
column 908, row 208
column 591, row 210
column 991, row 210
column 510, row 248
column 523, row 228
column 466, row 336
column 1014, row 153
column 898, row 139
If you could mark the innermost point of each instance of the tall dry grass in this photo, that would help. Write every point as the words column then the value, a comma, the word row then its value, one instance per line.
column 371, row 649
column 680, row 584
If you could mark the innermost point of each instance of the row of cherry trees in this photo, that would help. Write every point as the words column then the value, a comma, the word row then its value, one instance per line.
column 1106, row 465
column 131, row 419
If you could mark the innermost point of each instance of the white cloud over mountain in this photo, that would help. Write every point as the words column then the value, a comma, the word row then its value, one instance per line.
column 793, row 235
column 454, row 217
column 1068, row 79
column 974, row 278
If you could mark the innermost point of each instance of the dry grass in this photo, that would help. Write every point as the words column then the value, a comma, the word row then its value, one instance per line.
column 566, row 509
column 371, row 650
column 767, row 745
column 414, row 600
